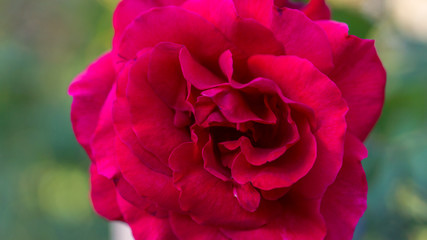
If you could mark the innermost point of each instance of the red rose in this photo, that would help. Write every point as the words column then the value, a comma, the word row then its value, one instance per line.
column 229, row 120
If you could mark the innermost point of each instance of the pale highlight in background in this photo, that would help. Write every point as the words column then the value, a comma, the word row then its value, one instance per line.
column 120, row 231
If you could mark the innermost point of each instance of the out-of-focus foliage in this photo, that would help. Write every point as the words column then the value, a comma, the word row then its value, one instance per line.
column 43, row 171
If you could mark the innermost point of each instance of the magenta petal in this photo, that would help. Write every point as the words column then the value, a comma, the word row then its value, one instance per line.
column 248, row 197
column 300, row 220
column 345, row 200
column 312, row 88
column 146, row 182
column 285, row 135
column 125, row 13
column 360, row 76
column 104, row 153
column 145, row 226
column 317, row 10
column 195, row 73
column 275, row 194
column 303, row 38
column 123, row 126
column 212, row 163
column 238, row 107
column 260, row 10
column 219, row 12
column 165, row 76
column 283, row 172
column 200, row 190
column 153, row 121
column 89, row 91
column 170, row 24
column 103, row 195
column 250, row 37
column 226, row 64
column 185, row 228
column 128, row 193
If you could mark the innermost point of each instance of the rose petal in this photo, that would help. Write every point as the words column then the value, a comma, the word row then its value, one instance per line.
column 126, row 11
column 294, row 164
column 128, row 193
column 153, row 121
column 303, row 38
column 226, row 64
column 273, row 140
column 123, row 126
column 144, row 225
column 147, row 183
column 212, row 162
column 165, row 75
column 170, row 24
column 185, row 228
column 317, row 10
column 251, row 38
column 274, row 194
column 103, row 195
column 239, row 107
column 104, row 137
column 248, row 197
column 300, row 219
column 89, row 91
column 195, row 73
column 360, row 76
column 345, row 200
column 312, row 88
column 200, row 191
column 221, row 13
column 260, row 10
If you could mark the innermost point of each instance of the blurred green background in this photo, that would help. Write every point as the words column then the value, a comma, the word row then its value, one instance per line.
column 43, row 171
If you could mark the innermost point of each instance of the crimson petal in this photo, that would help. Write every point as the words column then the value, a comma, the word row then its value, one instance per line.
column 312, row 88
column 345, row 200
column 103, row 195
column 89, row 91
column 143, row 225
column 185, row 228
column 303, row 38
column 360, row 76
column 153, row 121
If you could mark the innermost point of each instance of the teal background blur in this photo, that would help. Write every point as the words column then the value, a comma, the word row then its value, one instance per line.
column 43, row 171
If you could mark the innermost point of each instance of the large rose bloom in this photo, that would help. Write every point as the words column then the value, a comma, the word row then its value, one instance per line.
column 229, row 119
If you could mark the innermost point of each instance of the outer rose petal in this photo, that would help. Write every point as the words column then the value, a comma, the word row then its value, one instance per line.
column 89, row 91
column 303, row 38
column 153, row 121
column 345, row 200
column 315, row 9
column 219, row 12
column 123, row 126
column 170, row 24
column 146, row 182
column 185, row 228
column 165, row 76
column 260, row 10
column 103, row 195
column 299, row 220
column 125, row 13
column 302, row 82
column 145, row 226
column 104, row 153
column 360, row 76
column 128, row 10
